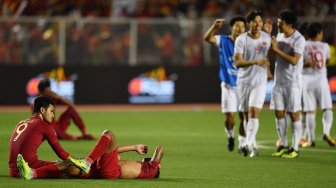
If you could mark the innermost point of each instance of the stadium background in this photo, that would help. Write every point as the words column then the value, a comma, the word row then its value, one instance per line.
column 105, row 44
column 102, row 45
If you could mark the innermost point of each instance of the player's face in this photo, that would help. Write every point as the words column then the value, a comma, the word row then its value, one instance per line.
column 256, row 24
column 281, row 25
column 238, row 28
column 49, row 114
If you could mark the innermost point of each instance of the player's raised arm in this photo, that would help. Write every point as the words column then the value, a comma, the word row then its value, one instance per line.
column 209, row 36
column 139, row 148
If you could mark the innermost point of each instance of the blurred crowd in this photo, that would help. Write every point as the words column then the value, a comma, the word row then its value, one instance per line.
column 164, row 8
column 177, row 39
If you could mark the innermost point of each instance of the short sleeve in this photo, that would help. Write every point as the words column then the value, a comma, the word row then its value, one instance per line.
column 299, row 45
column 218, row 40
column 239, row 45
column 327, row 50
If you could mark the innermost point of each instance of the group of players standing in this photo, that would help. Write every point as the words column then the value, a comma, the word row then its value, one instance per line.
column 300, row 79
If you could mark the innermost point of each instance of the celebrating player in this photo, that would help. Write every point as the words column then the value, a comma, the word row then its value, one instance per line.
column 103, row 162
column 250, row 53
column 287, row 91
column 228, row 74
column 62, row 124
column 315, row 83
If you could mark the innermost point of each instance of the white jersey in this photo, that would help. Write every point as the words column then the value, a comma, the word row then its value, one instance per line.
column 319, row 53
column 285, row 73
column 252, row 49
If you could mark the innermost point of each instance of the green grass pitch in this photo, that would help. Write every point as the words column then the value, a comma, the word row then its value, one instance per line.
column 195, row 152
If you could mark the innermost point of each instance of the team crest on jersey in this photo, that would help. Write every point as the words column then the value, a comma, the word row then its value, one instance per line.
column 257, row 49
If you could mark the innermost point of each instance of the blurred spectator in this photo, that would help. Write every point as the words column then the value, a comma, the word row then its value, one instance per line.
column 176, row 40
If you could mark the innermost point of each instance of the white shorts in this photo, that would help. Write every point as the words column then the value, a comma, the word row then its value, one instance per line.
column 251, row 96
column 286, row 98
column 229, row 98
column 316, row 91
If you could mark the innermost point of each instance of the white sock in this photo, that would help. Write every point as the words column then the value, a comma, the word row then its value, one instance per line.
column 296, row 135
column 327, row 120
column 229, row 133
column 245, row 125
column 310, row 124
column 241, row 141
column 255, row 131
column 252, row 129
column 304, row 127
column 281, row 127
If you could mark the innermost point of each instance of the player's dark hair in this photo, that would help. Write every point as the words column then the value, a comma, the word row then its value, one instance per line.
column 288, row 16
column 237, row 19
column 42, row 101
column 43, row 84
column 303, row 28
column 253, row 14
column 313, row 29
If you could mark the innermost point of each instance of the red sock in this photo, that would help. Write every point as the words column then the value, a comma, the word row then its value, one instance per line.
column 50, row 171
column 100, row 148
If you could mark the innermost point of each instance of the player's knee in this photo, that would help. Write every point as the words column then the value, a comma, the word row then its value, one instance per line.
column 295, row 116
column 279, row 114
column 110, row 134
column 230, row 116
column 254, row 113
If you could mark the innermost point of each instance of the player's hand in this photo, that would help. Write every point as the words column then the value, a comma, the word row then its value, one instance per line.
column 274, row 44
column 263, row 62
column 141, row 149
column 268, row 26
column 309, row 63
column 218, row 23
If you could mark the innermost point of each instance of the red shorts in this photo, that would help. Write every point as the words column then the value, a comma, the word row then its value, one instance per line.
column 149, row 170
column 106, row 167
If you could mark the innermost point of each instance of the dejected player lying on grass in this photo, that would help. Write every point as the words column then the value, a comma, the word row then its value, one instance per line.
column 103, row 162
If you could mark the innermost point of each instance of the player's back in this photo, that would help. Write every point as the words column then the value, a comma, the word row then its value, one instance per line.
column 26, row 138
column 318, row 52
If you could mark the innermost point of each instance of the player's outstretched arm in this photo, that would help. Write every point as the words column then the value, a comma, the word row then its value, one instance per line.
column 58, row 97
column 209, row 36
column 139, row 148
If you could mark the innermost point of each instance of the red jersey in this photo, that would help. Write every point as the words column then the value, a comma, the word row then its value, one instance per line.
column 28, row 135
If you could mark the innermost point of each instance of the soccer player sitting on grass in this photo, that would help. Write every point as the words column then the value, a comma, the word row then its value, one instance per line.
column 62, row 124
column 29, row 134
column 103, row 162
